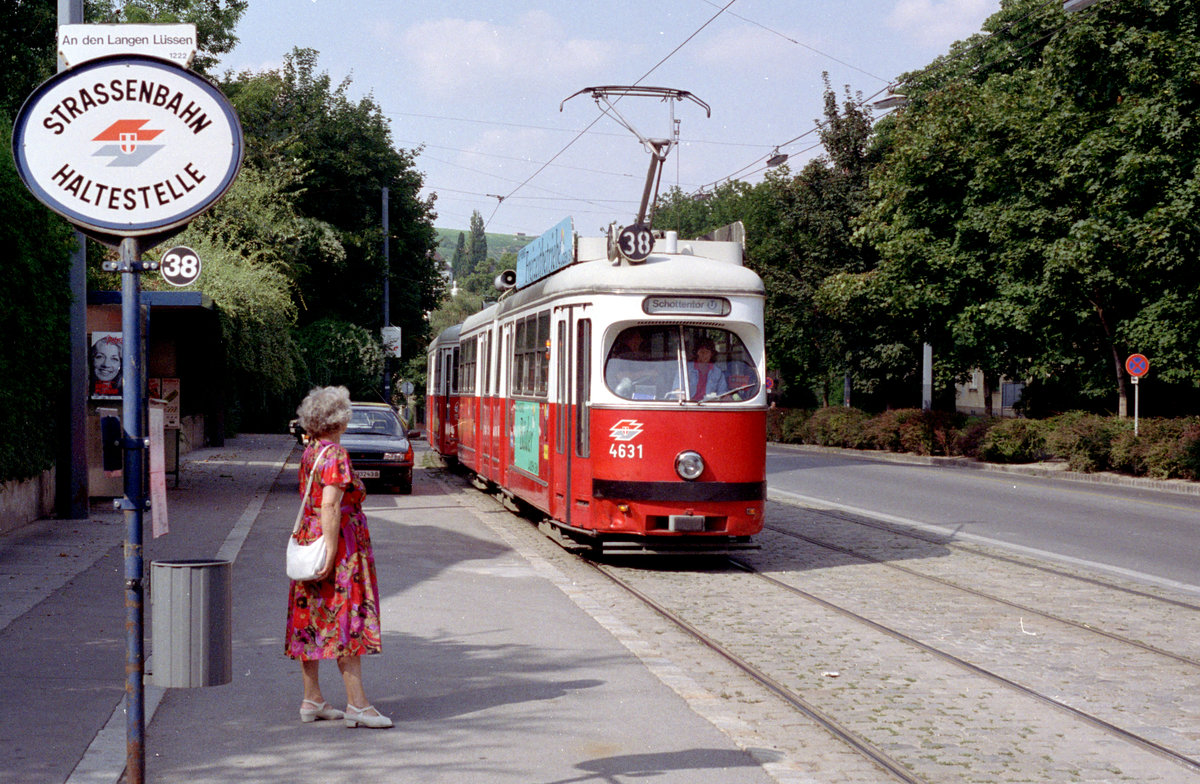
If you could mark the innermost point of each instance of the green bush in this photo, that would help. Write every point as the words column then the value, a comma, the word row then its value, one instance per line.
column 1084, row 440
column 837, row 426
column 916, row 431
column 969, row 437
column 786, row 425
column 1013, row 441
column 1163, row 449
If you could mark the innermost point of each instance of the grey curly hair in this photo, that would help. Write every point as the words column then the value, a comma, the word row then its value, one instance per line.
column 324, row 410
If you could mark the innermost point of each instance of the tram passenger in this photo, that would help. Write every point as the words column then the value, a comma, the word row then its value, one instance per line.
column 705, row 377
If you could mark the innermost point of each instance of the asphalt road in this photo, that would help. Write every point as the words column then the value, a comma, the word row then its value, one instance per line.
column 1148, row 535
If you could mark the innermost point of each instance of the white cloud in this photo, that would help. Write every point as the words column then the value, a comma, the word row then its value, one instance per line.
column 940, row 22
column 475, row 55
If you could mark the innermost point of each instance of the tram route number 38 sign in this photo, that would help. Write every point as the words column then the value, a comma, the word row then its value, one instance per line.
column 180, row 266
column 127, row 145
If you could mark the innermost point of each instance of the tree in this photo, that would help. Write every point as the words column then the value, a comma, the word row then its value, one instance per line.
column 1036, row 210
column 342, row 153
column 477, row 252
column 799, row 231
column 459, row 261
column 341, row 353
column 215, row 21
column 27, row 46
column 247, row 241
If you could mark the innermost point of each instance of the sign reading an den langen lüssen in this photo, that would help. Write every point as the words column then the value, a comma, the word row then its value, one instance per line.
column 127, row 145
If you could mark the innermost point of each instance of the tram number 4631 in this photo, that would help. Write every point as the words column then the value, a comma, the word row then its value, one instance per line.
column 625, row 451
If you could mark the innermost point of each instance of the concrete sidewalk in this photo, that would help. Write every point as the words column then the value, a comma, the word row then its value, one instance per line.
column 490, row 671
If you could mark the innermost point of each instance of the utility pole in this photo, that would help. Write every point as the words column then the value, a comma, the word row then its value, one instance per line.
column 387, row 288
column 71, row 485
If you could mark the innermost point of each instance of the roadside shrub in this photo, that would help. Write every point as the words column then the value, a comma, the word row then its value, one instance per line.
column 1163, row 449
column 971, row 435
column 837, row 426
column 916, row 431
column 786, row 425
column 1084, row 440
column 1013, row 441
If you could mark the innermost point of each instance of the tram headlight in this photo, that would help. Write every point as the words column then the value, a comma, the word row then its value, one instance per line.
column 689, row 465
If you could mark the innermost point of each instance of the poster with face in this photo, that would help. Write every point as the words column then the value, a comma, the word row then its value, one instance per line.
column 104, row 361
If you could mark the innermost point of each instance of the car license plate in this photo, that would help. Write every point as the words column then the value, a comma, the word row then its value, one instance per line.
column 368, row 474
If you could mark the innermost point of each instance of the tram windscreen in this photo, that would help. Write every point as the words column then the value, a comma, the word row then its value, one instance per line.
column 680, row 363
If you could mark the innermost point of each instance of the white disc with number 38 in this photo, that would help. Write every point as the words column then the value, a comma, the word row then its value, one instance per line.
column 180, row 266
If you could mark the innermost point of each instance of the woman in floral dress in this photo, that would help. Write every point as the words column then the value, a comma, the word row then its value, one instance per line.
column 335, row 616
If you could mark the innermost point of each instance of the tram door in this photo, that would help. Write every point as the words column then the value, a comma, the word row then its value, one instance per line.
column 450, row 395
column 572, row 474
column 483, row 417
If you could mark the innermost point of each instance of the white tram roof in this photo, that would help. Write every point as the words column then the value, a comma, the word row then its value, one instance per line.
column 447, row 337
column 699, row 267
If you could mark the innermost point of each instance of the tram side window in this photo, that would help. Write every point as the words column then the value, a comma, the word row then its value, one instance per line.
column 466, row 366
column 485, row 368
column 541, row 385
column 531, row 355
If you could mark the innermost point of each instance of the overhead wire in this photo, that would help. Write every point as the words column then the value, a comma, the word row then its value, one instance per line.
column 799, row 43
column 578, row 136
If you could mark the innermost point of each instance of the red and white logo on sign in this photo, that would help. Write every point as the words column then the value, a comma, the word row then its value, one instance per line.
column 625, row 430
column 129, row 136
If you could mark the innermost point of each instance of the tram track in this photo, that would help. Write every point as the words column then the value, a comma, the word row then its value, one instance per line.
column 942, row 541
column 975, row 669
column 1026, row 608
column 845, row 731
column 897, row 770
column 913, row 688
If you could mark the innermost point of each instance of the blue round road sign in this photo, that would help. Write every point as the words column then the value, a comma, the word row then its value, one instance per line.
column 1137, row 365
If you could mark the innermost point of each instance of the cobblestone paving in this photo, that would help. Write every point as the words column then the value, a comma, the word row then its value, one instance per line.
column 945, row 722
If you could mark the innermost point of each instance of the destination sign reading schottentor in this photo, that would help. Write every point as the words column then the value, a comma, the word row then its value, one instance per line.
column 127, row 145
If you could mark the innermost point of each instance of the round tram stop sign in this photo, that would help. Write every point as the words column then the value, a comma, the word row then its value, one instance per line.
column 127, row 146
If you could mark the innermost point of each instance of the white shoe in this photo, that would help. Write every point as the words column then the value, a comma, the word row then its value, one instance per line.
column 311, row 711
column 363, row 716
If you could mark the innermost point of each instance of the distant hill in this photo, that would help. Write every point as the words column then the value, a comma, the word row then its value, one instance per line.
column 497, row 244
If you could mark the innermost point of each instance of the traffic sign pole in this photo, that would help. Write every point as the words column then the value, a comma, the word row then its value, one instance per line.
column 1136, row 388
column 133, row 412
column 1137, row 365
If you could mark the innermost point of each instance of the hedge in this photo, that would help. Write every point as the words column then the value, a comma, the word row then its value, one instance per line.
column 1163, row 448
column 34, row 319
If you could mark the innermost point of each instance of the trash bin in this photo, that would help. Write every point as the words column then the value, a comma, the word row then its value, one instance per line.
column 191, row 622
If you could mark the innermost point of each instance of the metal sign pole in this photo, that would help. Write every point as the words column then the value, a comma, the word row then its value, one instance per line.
column 387, row 304
column 1136, row 387
column 133, row 413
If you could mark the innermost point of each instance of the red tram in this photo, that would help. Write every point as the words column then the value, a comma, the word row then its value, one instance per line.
column 620, row 393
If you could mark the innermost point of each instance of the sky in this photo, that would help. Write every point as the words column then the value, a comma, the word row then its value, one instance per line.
column 477, row 87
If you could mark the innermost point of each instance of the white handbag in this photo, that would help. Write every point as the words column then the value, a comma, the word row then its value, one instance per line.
column 305, row 561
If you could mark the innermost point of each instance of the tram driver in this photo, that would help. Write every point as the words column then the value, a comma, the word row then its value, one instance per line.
column 638, row 361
